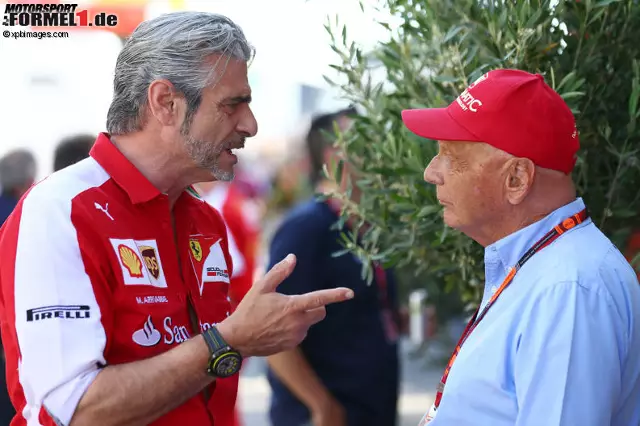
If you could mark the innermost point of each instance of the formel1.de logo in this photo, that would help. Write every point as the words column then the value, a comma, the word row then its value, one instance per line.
column 54, row 15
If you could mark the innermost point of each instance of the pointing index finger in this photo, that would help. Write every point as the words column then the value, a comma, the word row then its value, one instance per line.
column 320, row 298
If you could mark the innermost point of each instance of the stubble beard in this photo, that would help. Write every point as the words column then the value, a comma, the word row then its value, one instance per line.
column 204, row 157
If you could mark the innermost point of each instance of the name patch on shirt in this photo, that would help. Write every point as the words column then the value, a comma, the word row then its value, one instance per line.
column 146, row 300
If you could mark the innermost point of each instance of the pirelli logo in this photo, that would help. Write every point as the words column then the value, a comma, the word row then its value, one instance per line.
column 59, row 311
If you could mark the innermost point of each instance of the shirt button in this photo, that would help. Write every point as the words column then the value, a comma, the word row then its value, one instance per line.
column 493, row 289
column 227, row 313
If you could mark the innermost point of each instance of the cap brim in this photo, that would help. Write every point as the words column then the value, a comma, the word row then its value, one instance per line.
column 436, row 124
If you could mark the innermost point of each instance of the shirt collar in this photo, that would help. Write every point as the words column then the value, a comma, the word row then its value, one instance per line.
column 122, row 171
column 505, row 253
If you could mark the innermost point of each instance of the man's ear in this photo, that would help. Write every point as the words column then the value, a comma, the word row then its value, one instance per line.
column 520, row 175
column 164, row 103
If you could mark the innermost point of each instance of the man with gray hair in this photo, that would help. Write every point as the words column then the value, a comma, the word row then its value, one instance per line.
column 115, row 273
column 17, row 174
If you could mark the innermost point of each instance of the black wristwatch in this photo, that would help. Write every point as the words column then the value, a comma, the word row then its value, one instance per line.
column 225, row 361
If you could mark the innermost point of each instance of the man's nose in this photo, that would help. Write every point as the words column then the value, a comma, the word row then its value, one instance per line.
column 248, row 125
column 431, row 174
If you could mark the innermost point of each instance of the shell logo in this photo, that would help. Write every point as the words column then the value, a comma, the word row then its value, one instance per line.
column 130, row 260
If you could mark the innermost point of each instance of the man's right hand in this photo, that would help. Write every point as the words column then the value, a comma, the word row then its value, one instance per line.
column 267, row 322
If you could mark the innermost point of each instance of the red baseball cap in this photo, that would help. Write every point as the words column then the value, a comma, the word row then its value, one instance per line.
column 512, row 110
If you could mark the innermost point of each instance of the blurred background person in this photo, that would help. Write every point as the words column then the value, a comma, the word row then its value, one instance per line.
column 17, row 174
column 72, row 149
column 346, row 371
column 290, row 183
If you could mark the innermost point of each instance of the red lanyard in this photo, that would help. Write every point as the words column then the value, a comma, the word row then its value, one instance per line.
column 550, row 237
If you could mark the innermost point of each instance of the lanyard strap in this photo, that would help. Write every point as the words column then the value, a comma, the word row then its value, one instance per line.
column 548, row 238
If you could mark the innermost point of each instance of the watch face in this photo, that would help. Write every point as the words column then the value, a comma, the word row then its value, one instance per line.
column 227, row 364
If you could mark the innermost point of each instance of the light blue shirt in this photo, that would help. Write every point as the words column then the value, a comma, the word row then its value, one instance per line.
column 561, row 346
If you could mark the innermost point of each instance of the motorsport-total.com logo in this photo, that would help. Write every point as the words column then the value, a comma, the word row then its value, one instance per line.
column 54, row 15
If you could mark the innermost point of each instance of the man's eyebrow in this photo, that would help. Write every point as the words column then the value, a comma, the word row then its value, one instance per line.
column 239, row 99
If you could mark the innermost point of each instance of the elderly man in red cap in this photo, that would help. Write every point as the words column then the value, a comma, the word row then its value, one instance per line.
column 556, row 339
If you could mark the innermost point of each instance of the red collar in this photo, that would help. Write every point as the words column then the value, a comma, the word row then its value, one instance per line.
column 122, row 171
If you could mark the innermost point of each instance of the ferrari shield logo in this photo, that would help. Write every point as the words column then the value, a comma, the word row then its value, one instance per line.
column 196, row 250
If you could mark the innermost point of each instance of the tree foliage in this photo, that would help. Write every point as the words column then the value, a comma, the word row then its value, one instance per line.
column 588, row 52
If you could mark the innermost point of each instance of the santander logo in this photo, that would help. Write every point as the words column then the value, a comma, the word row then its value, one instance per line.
column 174, row 333
column 147, row 335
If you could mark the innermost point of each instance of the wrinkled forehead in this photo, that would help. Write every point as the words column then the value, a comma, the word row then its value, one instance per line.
column 471, row 149
column 230, row 77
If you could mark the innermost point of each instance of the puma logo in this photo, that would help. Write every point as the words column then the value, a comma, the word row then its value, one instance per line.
column 104, row 209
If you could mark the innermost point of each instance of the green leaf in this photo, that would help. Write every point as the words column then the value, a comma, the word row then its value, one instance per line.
column 596, row 16
column 603, row 3
column 635, row 92
column 340, row 253
column 569, row 95
column 567, row 78
column 452, row 33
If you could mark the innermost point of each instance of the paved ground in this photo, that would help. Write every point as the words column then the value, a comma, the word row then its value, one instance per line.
column 418, row 385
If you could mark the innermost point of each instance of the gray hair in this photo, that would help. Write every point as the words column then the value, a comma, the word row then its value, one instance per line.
column 176, row 47
column 17, row 169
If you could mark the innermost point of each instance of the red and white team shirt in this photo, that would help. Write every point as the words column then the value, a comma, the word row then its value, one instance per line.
column 90, row 275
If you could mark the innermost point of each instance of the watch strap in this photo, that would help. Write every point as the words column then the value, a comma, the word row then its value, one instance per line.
column 224, row 361
column 214, row 340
